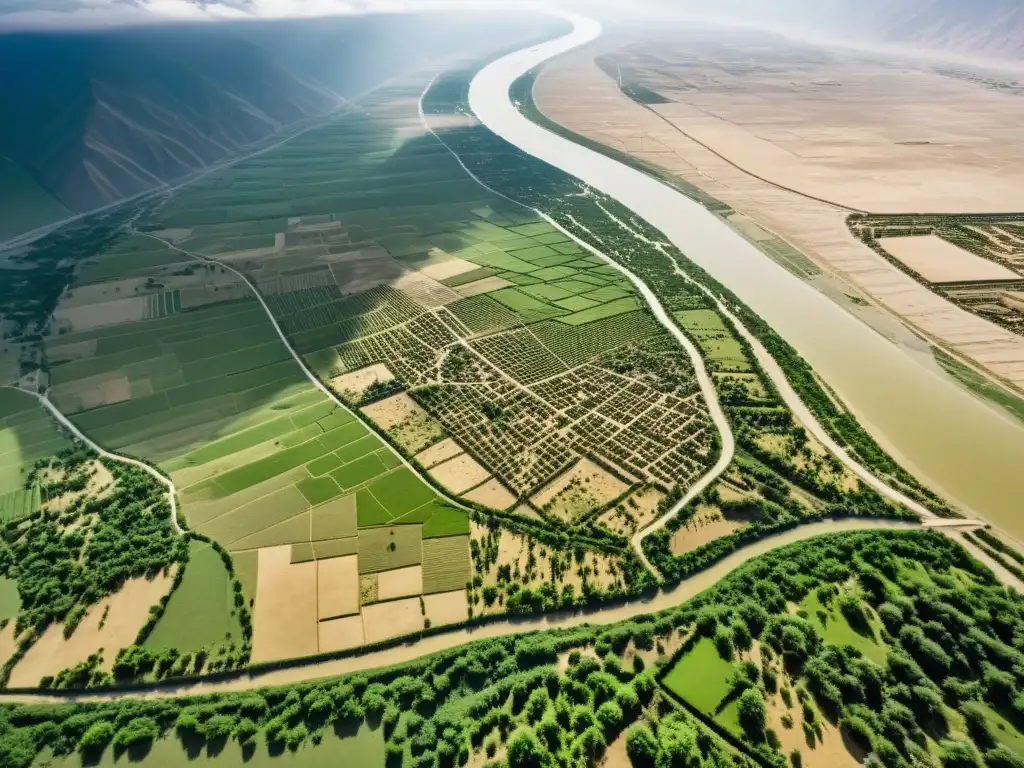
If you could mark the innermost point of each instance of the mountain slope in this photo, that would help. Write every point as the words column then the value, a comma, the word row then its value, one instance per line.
column 106, row 114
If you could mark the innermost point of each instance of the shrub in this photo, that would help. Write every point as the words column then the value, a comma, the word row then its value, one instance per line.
column 139, row 730
column 641, row 746
column 609, row 715
column 959, row 754
column 97, row 736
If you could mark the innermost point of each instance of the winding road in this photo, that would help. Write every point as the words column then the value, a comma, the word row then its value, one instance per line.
column 65, row 422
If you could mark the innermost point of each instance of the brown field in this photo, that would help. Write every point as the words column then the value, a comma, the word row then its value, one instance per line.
column 340, row 634
column 129, row 610
column 354, row 383
column 394, row 619
column 337, row 587
column 492, row 494
column 705, row 526
column 939, row 261
column 438, row 452
column 285, row 611
column 425, row 291
column 485, row 285
column 584, row 487
column 448, row 268
column 852, row 135
column 634, row 514
column 401, row 582
column 446, row 607
column 460, row 473
column 368, row 588
column 408, row 424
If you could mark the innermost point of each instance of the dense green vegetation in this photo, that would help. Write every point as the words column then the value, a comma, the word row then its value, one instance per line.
column 944, row 693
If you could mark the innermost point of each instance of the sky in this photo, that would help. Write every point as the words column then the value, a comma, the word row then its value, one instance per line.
column 105, row 12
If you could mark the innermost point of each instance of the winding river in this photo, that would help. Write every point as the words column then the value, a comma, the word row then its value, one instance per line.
column 965, row 449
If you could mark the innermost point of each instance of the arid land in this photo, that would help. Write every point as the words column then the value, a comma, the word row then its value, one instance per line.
column 795, row 140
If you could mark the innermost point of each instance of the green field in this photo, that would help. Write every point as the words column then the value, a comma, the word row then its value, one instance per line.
column 363, row 748
column 389, row 547
column 837, row 630
column 27, row 433
column 716, row 342
column 10, row 600
column 700, row 677
column 199, row 612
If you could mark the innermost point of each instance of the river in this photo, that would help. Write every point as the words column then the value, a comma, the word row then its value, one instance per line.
column 966, row 450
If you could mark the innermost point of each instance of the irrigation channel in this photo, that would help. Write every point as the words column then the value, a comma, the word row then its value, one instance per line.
column 940, row 432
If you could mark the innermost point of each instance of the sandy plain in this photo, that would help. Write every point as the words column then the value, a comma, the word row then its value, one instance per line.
column 939, row 261
column 787, row 107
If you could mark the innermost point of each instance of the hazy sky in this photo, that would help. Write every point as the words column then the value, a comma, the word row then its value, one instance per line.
column 89, row 12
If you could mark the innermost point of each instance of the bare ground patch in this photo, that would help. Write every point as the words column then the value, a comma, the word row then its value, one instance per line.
column 355, row 383
column 446, row 608
column 407, row 424
column 460, row 473
column 486, row 285
column 435, row 454
column 394, row 619
column 340, row 634
column 337, row 587
column 705, row 526
column 128, row 611
column 492, row 494
column 939, row 261
column 633, row 514
column 584, row 487
column 401, row 582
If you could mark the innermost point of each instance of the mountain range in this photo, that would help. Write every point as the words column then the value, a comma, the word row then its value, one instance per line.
column 94, row 116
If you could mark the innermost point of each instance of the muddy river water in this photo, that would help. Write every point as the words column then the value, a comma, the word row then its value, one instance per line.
column 967, row 451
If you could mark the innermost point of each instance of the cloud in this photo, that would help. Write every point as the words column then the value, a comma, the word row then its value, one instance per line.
column 73, row 13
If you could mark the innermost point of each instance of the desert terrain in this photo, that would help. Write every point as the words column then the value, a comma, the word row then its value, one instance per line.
column 795, row 140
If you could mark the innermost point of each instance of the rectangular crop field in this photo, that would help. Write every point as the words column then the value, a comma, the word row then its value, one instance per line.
column 27, row 433
column 701, row 677
column 714, row 339
column 446, row 564
column 389, row 547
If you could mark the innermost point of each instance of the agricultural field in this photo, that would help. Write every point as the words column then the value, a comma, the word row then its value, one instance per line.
column 976, row 261
column 470, row 320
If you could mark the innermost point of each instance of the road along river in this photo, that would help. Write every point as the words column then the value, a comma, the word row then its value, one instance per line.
column 415, row 649
column 938, row 431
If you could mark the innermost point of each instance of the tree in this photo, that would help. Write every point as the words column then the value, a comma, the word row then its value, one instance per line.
column 752, row 711
column 641, row 746
column 524, row 750
column 678, row 742
column 1001, row 757
column 609, row 715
